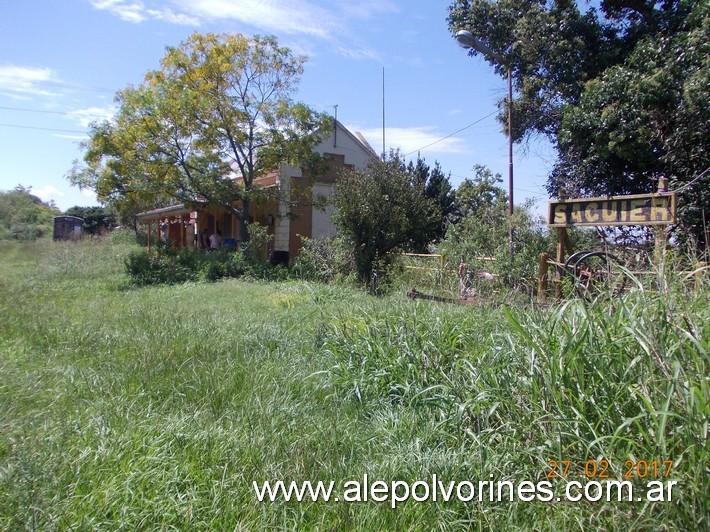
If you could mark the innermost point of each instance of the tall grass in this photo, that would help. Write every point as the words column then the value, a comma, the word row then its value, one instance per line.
column 156, row 408
column 619, row 380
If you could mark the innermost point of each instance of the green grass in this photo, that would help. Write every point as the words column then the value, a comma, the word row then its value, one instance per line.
column 156, row 408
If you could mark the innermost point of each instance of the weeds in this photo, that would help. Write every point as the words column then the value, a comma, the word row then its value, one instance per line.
column 157, row 408
column 615, row 379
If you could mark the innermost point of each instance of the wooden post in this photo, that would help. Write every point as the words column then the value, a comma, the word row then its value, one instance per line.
column 542, row 277
column 182, row 231
column 148, row 234
column 661, row 239
column 660, row 244
column 562, row 245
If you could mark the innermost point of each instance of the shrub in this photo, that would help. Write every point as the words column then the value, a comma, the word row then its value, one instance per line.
column 166, row 268
column 317, row 260
column 171, row 266
column 476, row 236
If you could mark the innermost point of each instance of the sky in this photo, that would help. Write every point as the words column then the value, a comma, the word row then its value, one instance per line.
column 61, row 63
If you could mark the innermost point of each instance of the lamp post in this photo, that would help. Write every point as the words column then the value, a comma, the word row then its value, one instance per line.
column 466, row 39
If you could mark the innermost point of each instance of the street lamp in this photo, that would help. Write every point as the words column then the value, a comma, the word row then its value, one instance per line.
column 466, row 39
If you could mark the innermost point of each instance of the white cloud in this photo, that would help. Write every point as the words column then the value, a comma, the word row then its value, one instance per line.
column 128, row 11
column 282, row 16
column 136, row 12
column 84, row 117
column 168, row 15
column 362, row 53
column 22, row 80
column 413, row 139
column 367, row 8
column 47, row 192
column 292, row 17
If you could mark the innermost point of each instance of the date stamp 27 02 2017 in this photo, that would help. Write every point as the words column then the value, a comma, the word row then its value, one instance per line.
column 602, row 468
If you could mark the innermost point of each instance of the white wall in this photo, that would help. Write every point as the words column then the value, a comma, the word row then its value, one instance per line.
column 322, row 224
column 346, row 144
column 355, row 153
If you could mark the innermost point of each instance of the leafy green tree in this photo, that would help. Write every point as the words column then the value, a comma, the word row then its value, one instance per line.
column 97, row 219
column 379, row 212
column 622, row 91
column 482, row 196
column 219, row 107
column 435, row 186
column 24, row 216
column 482, row 230
column 483, row 226
column 551, row 47
column 644, row 119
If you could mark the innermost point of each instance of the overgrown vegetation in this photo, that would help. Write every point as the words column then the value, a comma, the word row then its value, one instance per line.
column 158, row 407
column 24, row 216
column 608, row 380
column 379, row 212
column 97, row 220
column 168, row 265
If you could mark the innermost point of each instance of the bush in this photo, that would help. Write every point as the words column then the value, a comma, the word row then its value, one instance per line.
column 475, row 236
column 171, row 266
column 316, row 260
column 165, row 268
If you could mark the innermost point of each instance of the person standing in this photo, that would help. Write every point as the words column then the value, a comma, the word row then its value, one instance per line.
column 216, row 240
column 205, row 239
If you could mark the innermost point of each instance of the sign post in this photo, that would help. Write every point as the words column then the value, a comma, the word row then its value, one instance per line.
column 658, row 210
column 642, row 209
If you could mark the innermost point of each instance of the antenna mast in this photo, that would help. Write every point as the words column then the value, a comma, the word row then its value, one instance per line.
column 383, row 113
column 335, row 127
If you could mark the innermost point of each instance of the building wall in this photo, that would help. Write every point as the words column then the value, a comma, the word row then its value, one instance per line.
column 322, row 223
column 301, row 216
column 282, row 224
column 67, row 227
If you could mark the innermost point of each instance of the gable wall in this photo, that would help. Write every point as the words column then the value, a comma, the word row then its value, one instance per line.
column 310, row 220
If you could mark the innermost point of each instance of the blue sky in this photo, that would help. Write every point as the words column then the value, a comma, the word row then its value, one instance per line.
column 61, row 63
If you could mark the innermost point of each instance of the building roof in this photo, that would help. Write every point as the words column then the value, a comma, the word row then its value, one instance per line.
column 173, row 210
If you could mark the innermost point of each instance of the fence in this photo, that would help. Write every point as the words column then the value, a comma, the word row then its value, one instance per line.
column 436, row 273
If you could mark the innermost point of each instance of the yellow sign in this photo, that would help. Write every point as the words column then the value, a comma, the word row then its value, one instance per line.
column 643, row 209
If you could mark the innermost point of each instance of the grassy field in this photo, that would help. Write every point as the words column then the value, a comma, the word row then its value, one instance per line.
column 158, row 408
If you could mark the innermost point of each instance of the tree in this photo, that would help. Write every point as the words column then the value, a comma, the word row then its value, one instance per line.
column 378, row 212
column 644, row 119
column 623, row 96
column 97, row 219
column 482, row 230
column 436, row 186
column 482, row 196
column 24, row 216
column 483, row 223
column 551, row 47
column 217, row 115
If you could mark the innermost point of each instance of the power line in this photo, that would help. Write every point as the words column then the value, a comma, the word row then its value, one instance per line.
column 451, row 134
column 44, row 128
column 45, row 111
column 696, row 178
column 33, row 110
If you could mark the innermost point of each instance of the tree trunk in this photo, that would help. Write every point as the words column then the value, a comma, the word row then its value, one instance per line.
column 244, row 222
